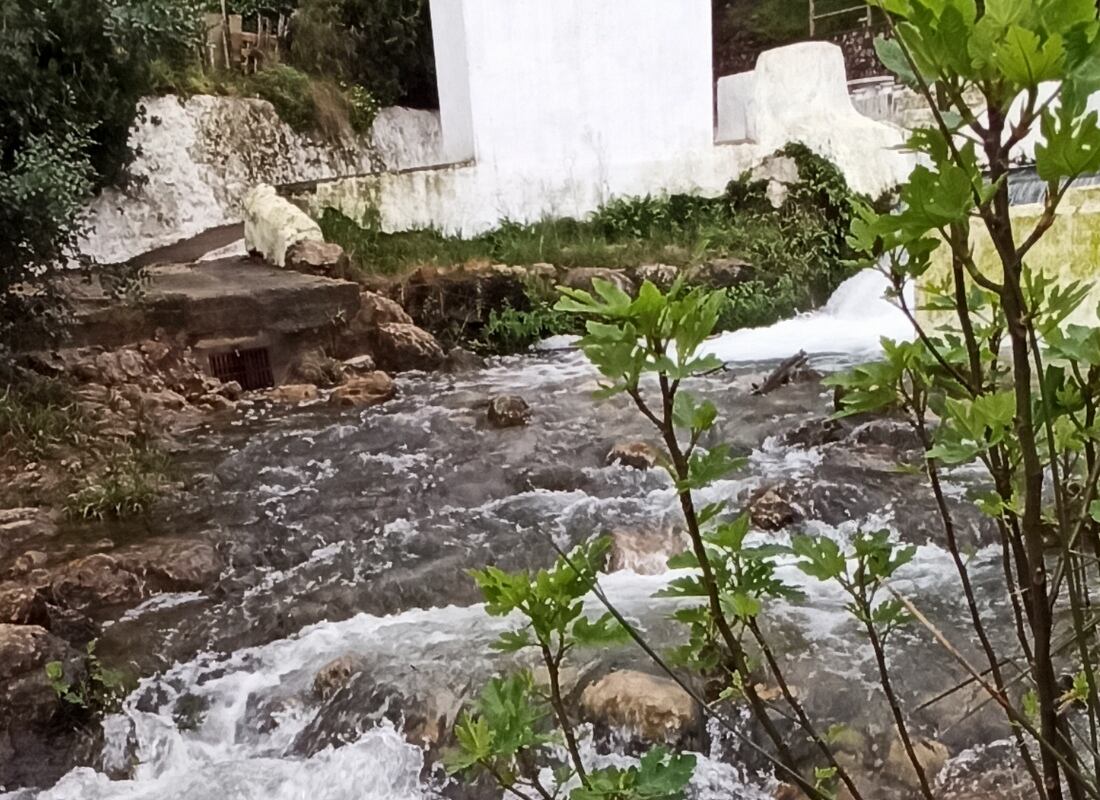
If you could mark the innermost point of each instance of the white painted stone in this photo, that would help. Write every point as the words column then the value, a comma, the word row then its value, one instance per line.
column 198, row 158
column 272, row 224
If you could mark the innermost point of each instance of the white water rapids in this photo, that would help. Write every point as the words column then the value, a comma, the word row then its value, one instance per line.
column 229, row 755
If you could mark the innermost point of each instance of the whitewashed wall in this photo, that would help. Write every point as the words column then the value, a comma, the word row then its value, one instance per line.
column 200, row 156
column 573, row 83
column 572, row 103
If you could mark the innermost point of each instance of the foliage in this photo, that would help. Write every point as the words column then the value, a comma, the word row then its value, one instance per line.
column 512, row 330
column 517, row 728
column 99, row 691
column 127, row 485
column 71, row 75
column 385, row 46
column 1011, row 384
column 38, row 415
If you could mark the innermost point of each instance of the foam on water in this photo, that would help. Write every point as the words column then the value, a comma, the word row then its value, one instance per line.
column 853, row 322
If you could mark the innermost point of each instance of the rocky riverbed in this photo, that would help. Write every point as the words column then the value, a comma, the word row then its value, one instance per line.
column 340, row 635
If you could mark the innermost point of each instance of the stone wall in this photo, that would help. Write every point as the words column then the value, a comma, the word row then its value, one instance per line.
column 199, row 157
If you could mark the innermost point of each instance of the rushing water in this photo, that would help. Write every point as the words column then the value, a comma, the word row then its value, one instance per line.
column 348, row 533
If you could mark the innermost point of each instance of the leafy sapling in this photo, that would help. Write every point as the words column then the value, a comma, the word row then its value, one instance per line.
column 518, row 729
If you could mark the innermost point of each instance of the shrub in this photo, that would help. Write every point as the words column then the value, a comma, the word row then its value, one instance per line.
column 37, row 415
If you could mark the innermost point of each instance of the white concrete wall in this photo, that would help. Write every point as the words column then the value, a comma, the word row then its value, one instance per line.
column 453, row 78
column 546, row 146
column 577, row 84
column 200, row 156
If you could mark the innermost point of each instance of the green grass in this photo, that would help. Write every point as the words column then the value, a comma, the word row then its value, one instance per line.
column 37, row 415
column 128, row 484
column 306, row 103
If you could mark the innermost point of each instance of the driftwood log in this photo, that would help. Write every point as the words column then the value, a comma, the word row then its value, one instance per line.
column 794, row 368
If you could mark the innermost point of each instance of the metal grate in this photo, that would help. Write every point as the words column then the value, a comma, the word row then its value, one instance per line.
column 250, row 368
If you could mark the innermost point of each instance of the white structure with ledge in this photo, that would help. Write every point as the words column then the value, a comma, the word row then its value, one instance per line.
column 552, row 107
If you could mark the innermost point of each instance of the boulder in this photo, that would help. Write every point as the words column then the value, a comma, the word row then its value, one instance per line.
column 171, row 564
column 637, row 455
column 294, row 393
column 22, row 605
column 582, row 277
column 316, row 257
column 931, row 754
column 25, row 693
column 314, row 367
column 377, row 309
column 359, row 365
column 96, row 581
column 654, row 709
column 645, row 552
column 780, row 173
column 508, row 411
column 770, row 511
column 400, row 346
column 371, row 389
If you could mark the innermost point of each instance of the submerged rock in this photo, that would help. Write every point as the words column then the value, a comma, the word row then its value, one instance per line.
column 460, row 360
column 371, row 389
column 508, row 411
column 651, row 708
column 770, row 511
column 637, row 455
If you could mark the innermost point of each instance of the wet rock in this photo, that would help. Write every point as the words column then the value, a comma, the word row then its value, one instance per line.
column 816, row 432
column 25, row 694
column 651, row 708
column 371, row 389
column 231, row 390
column 314, row 367
column 317, row 258
column 400, row 346
column 171, row 565
column 22, row 605
column 894, row 433
column 294, row 393
column 460, row 360
column 637, row 455
column 97, row 581
column 770, row 511
column 645, row 552
column 582, row 277
column 560, row 478
column 508, row 411
column 425, row 715
column 334, row 676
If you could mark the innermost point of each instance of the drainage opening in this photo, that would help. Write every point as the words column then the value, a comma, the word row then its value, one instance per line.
column 250, row 368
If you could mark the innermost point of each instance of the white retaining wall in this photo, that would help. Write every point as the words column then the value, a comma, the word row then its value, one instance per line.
column 200, row 156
